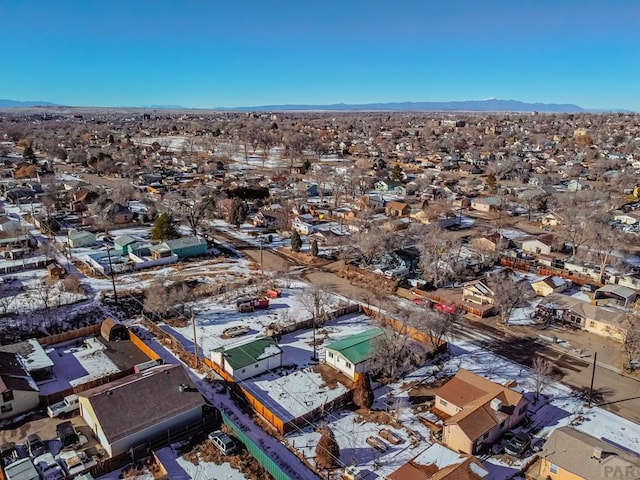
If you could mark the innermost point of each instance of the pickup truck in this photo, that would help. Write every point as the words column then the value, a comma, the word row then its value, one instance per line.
column 68, row 405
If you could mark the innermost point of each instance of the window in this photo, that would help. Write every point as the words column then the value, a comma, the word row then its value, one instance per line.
column 244, row 370
column 7, row 396
column 257, row 365
column 443, row 402
column 347, row 364
column 6, row 408
column 592, row 324
column 553, row 468
column 330, row 354
column 485, row 436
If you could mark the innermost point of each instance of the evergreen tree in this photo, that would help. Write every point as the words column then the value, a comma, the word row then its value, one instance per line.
column 164, row 228
column 362, row 392
column 314, row 248
column 396, row 173
column 296, row 241
column 327, row 450
column 237, row 212
column 29, row 154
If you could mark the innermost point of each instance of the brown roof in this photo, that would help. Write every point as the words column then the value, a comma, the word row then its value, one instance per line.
column 397, row 205
column 473, row 394
column 139, row 401
column 574, row 451
column 439, row 463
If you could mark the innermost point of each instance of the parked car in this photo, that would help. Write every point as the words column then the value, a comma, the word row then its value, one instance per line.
column 67, row 405
column 35, row 446
column 223, row 442
column 518, row 445
column 48, row 468
column 67, row 434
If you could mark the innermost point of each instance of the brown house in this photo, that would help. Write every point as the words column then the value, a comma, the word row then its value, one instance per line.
column 478, row 411
column 439, row 463
column 397, row 209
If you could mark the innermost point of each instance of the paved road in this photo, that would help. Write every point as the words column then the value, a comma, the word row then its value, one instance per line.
column 617, row 393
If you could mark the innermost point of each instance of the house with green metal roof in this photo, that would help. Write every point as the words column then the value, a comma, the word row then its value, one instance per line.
column 248, row 359
column 354, row 354
column 184, row 247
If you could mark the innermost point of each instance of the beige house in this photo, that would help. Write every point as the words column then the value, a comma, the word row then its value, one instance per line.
column 551, row 219
column 141, row 407
column 479, row 411
column 551, row 284
column 605, row 321
column 477, row 292
column 569, row 454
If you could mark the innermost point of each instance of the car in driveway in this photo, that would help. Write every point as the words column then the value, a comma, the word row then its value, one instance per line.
column 35, row 446
column 223, row 442
column 67, row 435
column 518, row 445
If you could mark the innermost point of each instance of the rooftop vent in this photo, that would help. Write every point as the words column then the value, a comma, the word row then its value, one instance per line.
column 496, row 404
column 597, row 453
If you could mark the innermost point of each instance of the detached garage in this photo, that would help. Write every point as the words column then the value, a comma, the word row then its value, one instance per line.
column 113, row 331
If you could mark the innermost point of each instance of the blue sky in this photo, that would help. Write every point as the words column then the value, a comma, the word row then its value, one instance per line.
column 208, row 53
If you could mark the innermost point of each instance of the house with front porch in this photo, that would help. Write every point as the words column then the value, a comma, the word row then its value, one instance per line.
column 607, row 321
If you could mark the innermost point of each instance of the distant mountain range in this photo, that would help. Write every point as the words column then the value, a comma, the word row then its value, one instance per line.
column 487, row 105
column 17, row 104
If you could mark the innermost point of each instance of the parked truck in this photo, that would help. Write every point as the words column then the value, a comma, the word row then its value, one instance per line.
column 251, row 304
column 67, row 405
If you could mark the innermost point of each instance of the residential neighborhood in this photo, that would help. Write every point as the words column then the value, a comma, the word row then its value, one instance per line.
column 302, row 295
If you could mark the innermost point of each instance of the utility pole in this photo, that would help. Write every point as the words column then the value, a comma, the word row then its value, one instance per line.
column 593, row 374
column 113, row 279
column 261, row 263
column 195, row 339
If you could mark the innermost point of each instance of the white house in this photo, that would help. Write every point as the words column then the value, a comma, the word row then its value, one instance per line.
column 80, row 238
column 18, row 392
column 302, row 227
column 485, row 204
column 248, row 359
column 354, row 354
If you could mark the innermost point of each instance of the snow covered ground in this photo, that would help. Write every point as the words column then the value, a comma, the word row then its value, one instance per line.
column 75, row 364
column 560, row 406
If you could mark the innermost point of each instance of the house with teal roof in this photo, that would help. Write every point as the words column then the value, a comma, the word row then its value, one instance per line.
column 249, row 359
column 354, row 354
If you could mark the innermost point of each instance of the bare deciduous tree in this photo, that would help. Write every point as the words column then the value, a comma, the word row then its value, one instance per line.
column 194, row 206
column 508, row 293
column 541, row 370
column 439, row 250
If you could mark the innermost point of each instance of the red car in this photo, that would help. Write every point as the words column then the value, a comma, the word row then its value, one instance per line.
column 445, row 308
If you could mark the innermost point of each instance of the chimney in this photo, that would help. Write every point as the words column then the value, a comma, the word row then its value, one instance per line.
column 496, row 404
column 597, row 453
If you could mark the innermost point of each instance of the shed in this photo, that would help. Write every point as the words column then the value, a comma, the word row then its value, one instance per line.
column 353, row 355
column 113, row 331
column 249, row 359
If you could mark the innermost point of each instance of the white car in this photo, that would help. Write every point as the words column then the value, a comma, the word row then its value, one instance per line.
column 223, row 442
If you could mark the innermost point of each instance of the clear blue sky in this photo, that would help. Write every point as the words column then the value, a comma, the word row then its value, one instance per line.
column 208, row 53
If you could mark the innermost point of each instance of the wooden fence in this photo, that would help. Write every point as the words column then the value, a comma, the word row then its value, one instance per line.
column 46, row 400
column 70, row 335
column 144, row 348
